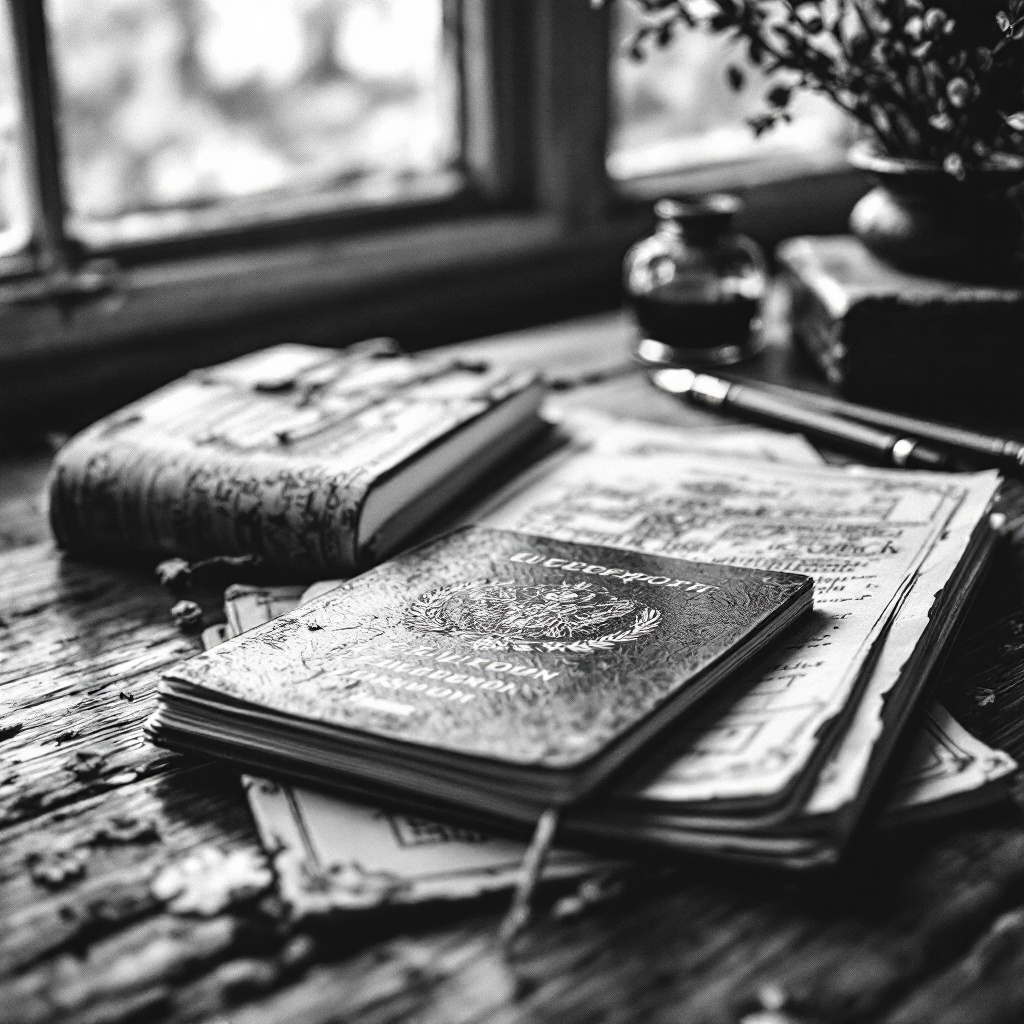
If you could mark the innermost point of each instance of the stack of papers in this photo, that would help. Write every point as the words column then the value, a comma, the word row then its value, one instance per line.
column 780, row 768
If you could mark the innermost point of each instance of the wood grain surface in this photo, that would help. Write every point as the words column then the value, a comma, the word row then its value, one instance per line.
column 132, row 886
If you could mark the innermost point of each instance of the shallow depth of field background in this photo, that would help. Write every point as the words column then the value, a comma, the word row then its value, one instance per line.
column 177, row 104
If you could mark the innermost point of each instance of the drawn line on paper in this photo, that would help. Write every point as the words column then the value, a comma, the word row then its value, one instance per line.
column 301, row 826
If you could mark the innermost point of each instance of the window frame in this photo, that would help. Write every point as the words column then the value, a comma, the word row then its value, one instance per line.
column 539, row 231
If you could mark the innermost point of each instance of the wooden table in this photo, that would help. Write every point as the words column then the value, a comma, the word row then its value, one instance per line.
column 923, row 926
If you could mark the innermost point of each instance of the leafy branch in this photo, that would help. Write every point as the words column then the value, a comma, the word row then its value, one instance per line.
column 942, row 82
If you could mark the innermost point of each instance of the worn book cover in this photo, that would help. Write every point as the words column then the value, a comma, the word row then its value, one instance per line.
column 891, row 338
column 320, row 461
column 485, row 666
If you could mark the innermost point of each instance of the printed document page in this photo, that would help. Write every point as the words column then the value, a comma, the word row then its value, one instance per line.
column 861, row 536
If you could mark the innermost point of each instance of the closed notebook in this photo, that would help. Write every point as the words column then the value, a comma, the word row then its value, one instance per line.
column 486, row 670
column 319, row 461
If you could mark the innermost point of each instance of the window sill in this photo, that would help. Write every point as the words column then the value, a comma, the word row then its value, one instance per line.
column 752, row 172
column 425, row 285
column 79, row 350
column 158, row 233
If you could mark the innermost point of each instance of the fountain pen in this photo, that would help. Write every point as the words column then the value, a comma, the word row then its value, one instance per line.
column 751, row 403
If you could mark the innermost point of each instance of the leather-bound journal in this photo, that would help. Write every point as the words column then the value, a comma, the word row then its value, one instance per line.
column 486, row 670
column 321, row 462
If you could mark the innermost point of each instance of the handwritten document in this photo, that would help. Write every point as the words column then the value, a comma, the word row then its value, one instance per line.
column 935, row 758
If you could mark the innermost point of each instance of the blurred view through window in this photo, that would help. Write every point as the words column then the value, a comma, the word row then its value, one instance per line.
column 177, row 104
column 674, row 110
column 172, row 109
column 13, row 210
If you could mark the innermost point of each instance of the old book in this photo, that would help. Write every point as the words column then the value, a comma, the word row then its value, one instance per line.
column 904, row 340
column 486, row 670
column 320, row 461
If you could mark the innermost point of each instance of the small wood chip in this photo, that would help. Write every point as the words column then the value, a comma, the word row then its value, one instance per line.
column 124, row 829
column 210, row 880
column 773, row 1007
column 173, row 573
column 56, row 868
column 187, row 615
column 86, row 765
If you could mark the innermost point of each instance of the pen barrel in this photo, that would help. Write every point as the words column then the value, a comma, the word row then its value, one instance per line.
column 778, row 412
column 980, row 449
column 855, row 438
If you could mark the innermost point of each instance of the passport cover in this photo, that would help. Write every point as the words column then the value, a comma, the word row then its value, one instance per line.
column 500, row 645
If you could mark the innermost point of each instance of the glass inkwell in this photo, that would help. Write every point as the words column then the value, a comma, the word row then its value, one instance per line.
column 696, row 285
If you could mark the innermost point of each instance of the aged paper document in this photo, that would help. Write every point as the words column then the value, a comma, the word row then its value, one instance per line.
column 946, row 762
column 939, row 762
column 319, row 838
column 861, row 536
column 334, row 854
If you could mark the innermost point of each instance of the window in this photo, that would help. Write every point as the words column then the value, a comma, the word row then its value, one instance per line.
column 170, row 109
column 183, row 180
column 14, row 215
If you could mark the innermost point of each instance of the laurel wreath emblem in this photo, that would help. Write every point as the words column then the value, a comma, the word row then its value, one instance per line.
column 426, row 615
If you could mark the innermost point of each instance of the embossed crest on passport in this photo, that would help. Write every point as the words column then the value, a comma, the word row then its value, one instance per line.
column 501, row 615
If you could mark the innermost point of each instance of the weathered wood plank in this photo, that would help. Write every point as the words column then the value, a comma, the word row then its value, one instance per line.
column 80, row 649
column 122, row 838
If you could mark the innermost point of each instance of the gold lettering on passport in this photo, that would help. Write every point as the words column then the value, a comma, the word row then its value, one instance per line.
column 622, row 575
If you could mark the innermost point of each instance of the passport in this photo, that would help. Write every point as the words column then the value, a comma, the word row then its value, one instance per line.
column 488, row 670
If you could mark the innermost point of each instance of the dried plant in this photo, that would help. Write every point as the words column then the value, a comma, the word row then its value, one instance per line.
column 940, row 81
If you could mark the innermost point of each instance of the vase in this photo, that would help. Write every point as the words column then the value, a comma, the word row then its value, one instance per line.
column 695, row 285
column 921, row 219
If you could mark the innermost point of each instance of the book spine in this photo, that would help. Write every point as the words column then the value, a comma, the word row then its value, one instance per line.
column 111, row 495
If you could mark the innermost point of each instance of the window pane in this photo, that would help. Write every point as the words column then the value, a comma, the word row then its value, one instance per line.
column 14, row 216
column 188, row 103
column 674, row 110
